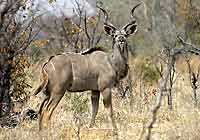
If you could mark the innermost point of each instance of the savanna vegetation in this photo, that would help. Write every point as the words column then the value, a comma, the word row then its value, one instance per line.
column 158, row 99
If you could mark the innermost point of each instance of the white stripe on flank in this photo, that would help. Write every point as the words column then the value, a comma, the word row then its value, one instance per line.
column 53, row 65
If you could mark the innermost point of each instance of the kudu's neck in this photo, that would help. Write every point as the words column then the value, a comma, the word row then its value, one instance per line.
column 119, row 59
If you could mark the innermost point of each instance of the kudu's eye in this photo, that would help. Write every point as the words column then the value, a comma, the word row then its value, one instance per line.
column 24, row 7
column 115, row 36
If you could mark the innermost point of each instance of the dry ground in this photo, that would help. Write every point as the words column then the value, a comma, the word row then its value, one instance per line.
column 181, row 123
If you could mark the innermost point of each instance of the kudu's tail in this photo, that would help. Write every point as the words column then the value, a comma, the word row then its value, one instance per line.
column 44, row 82
column 45, row 78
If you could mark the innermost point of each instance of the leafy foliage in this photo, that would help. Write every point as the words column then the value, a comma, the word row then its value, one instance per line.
column 147, row 70
column 18, row 91
column 51, row 1
column 78, row 102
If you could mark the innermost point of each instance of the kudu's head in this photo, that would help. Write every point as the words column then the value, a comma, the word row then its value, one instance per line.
column 119, row 36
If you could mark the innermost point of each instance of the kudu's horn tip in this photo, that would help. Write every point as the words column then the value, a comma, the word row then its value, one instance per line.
column 132, row 11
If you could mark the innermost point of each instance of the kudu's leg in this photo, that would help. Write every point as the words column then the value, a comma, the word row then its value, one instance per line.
column 107, row 101
column 50, row 105
column 41, row 111
column 53, row 104
column 42, row 106
column 95, row 106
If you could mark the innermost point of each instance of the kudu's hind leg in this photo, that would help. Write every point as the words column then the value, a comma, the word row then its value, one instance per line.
column 53, row 104
column 107, row 101
column 50, row 105
column 41, row 111
column 42, row 107
column 95, row 106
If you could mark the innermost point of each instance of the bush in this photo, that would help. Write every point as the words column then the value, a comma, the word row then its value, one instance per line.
column 147, row 70
column 79, row 102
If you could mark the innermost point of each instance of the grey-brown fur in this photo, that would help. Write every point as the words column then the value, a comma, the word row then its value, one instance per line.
column 94, row 70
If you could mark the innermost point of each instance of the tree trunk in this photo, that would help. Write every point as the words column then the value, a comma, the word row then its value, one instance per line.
column 6, row 59
column 5, row 100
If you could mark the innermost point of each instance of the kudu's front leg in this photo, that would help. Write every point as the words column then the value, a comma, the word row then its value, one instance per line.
column 95, row 106
column 107, row 101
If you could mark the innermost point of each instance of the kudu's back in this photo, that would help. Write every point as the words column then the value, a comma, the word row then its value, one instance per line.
column 77, row 72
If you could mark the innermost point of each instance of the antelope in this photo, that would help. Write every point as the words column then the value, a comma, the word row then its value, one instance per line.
column 94, row 70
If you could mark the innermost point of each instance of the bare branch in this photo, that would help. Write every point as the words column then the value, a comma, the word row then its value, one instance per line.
column 156, row 108
column 163, row 84
column 187, row 47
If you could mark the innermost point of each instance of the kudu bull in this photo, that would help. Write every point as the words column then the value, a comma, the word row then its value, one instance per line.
column 93, row 70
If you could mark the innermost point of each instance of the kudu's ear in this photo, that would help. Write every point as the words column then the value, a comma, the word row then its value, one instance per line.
column 130, row 28
column 109, row 29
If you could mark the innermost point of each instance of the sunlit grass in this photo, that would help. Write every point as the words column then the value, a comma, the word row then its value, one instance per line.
column 180, row 123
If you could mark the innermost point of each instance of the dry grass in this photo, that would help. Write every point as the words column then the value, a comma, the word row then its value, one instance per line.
column 181, row 123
